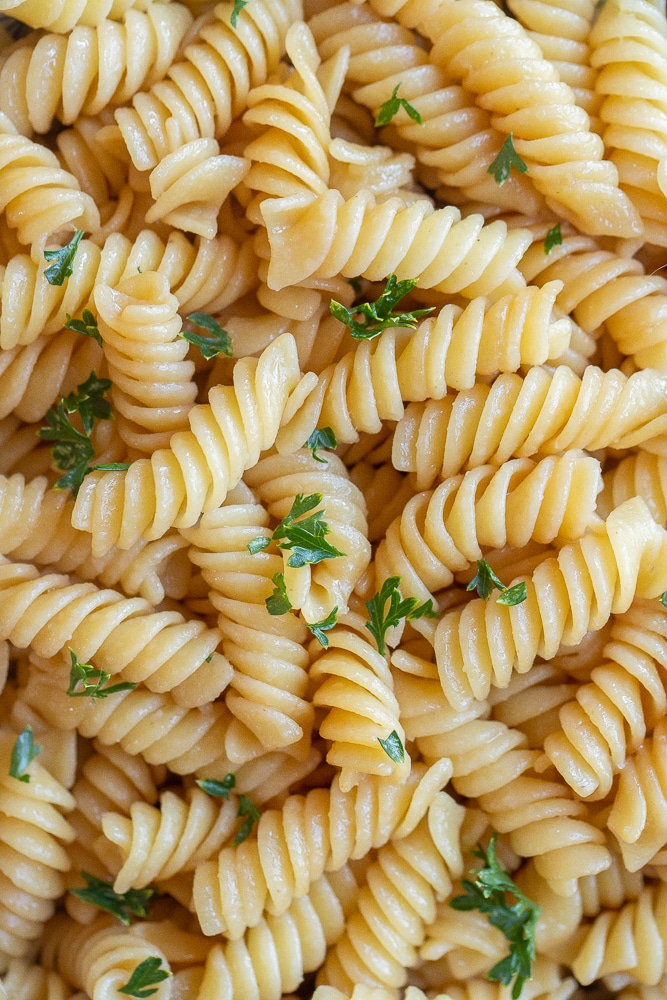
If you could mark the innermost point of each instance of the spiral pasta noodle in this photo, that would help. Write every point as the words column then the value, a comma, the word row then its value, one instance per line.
column 63, row 15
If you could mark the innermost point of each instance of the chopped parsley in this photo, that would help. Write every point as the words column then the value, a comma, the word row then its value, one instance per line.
column 393, row 747
column 392, row 106
column 238, row 7
column 324, row 437
column 554, row 238
column 319, row 628
column 505, row 160
column 63, row 260
column 485, row 580
column 378, row 316
column 219, row 341
column 146, row 974
column 303, row 536
column 218, row 789
column 23, row 752
column 87, row 326
column 382, row 618
column 278, row 603
column 93, row 681
column 122, row 905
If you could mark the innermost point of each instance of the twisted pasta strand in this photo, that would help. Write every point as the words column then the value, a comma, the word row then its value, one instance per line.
column 176, row 484
column 58, row 77
column 568, row 596
column 293, row 847
column 640, row 474
column 206, row 90
column 26, row 981
column 543, row 412
column 63, row 15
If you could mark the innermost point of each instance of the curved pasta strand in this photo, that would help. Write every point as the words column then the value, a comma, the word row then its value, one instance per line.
column 61, row 77
column 63, row 15
column 640, row 474
column 383, row 935
column 355, row 685
column 311, row 834
column 323, row 235
column 205, row 276
column 27, row 981
column 541, row 412
column 195, row 472
column 568, row 596
column 153, row 389
column 209, row 87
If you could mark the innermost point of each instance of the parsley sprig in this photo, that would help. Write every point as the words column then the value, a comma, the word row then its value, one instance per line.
column 92, row 681
column 382, row 620
column 505, row 160
column 485, row 580
column 517, row 921
column 247, row 810
column 278, row 603
column 554, row 238
column 219, row 341
column 303, row 536
column 319, row 628
column 663, row 598
column 218, row 789
column 63, row 260
column 73, row 449
column 393, row 747
column 146, row 974
column 122, row 905
column 392, row 106
column 87, row 325
column 23, row 752
column 378, row 316
column 322, row 437
column 238, row 7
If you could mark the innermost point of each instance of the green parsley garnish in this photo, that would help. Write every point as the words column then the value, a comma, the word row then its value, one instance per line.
column 663, row 598
column 355, row 283
column 319, row 628
column 238, row 7
column 123, row 905
column 392, row 106
column 278, row 603
column 304, row 537
column 93, row 681
column 554, row 238
column 505, row 160
column 218, row 343
column 23, row 752
column 485, row 580
column 380, row 622
column 73, row 449
column 393, row 747
column 378, row 316
column 517, row 921
column 218, row 789
column 252, row 814
column 87, row 326
column 147, row 973
column 63, row 260
column 322, row 438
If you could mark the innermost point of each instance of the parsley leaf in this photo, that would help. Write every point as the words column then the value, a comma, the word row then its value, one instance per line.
column 23, row 752
column 319, row 628
column 89, row 401
column 218, row 343
column 485, row 580
column 380, row 622
column 123, row 905
column 663, row 598
column 63, row 260
column 238, row 7
column 147, row 973
column 355, row 283
column 554, row 238
column 322, row 438
column 93, row 681
column 378, row 316
column 219, row 789
column 517, row 921
column 278, row 603
column 87, row 326
column 249, row 810
column 304, row 537
column 505, row 160
column 392, row 106
column 393, row 747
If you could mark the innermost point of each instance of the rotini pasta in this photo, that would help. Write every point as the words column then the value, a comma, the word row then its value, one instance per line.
column 63, row 15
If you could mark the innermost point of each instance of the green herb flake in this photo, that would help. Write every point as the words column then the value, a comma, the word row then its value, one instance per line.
column 252, row 814
column 123, row 906
column 218, row 789
column 303, row 536
column 392, row 106
column 663, row 598
column 63, row 260
column 146, row 974
column 219, row 341
column 381, row 621
column 517, row 921
column 238, row 7
column 278, row 603
column 87, row 326
column 23, row 752
column 378, row 316
column 324, row 437
column 393, row 747
column 554, row 238
column 355, row 283
column 93, row 681
column 505, row 160
column 485, row 580
column 320, row 628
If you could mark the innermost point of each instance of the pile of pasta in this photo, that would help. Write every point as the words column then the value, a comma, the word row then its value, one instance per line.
column 275, row 797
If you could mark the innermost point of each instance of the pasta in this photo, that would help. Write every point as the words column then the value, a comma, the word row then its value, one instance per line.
column 333, row 524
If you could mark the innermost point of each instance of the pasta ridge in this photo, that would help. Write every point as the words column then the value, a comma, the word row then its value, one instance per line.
column 63, row 15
